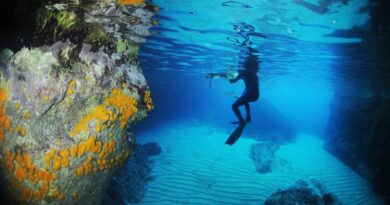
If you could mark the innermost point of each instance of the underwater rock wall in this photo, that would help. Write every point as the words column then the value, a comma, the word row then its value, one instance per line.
column 358, row 134
column 359, row 126
column 69, row 89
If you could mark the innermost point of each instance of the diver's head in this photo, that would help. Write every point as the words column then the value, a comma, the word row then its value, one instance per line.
column 252, row 63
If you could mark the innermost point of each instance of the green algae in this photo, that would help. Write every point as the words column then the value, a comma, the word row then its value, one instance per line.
column 121, row 45
column 128, row 49
column 66, row 19
column 96, row 35
column 132, row 52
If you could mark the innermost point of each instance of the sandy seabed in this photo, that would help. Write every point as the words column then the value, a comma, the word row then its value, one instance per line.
column 196, row 167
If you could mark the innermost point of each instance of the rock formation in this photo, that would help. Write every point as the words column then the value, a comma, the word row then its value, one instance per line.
column 358, row 135
column 70, row 87
column 263, row 155
column 265, row 160
column 303, row 193
column 359, row 125
column 130, row 184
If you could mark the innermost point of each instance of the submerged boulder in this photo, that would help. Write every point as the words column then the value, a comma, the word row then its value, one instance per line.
column 265, row 160
column 67, row 96
column 263, row 155
column 303, row 193
column 130, row 183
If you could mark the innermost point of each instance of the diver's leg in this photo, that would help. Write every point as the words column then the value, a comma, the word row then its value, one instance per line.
column 239, row 102
column 248, row 112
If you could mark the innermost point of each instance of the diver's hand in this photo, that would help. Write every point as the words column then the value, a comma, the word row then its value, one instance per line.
column 231, row 74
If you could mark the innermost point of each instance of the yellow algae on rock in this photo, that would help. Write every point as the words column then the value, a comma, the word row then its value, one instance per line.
column 59, row 142
column 26, row 115
column 21, row 130
column 74, row 194
column 148, row 100
column 17, row 106
column 49, row 156
column 45, row 98
column 69, row 93
column 71, row 87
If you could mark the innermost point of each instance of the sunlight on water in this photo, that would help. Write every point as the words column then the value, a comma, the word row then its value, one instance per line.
column 295, row 39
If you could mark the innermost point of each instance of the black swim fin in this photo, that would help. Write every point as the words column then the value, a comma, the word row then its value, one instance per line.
column 235, row 135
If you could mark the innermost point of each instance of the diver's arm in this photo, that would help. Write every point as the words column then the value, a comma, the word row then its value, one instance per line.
column 213, row 75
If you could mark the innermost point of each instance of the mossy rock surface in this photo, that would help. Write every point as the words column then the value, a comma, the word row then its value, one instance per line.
column 68, row 97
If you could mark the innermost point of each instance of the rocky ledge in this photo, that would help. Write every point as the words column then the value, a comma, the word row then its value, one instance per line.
column 70, row 87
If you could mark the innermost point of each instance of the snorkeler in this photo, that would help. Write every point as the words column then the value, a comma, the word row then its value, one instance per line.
column 251, row 92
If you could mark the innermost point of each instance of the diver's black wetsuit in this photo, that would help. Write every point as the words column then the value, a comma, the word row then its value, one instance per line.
column 250, row 94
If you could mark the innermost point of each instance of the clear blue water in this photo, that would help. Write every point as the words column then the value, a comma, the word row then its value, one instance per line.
column 309, row 50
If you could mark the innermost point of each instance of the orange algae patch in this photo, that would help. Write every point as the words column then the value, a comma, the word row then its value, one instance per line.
column 81, row 150
column 100, row 156
column 64, row 158
column 56, row 163
column 20, row 174
column 27, row 182
column 118, row 107
column 130, row 2
column 73, row 151
column 59, row 159
column 125, row 104
column 5, row 122
column 64, row 153
column 58, row 195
